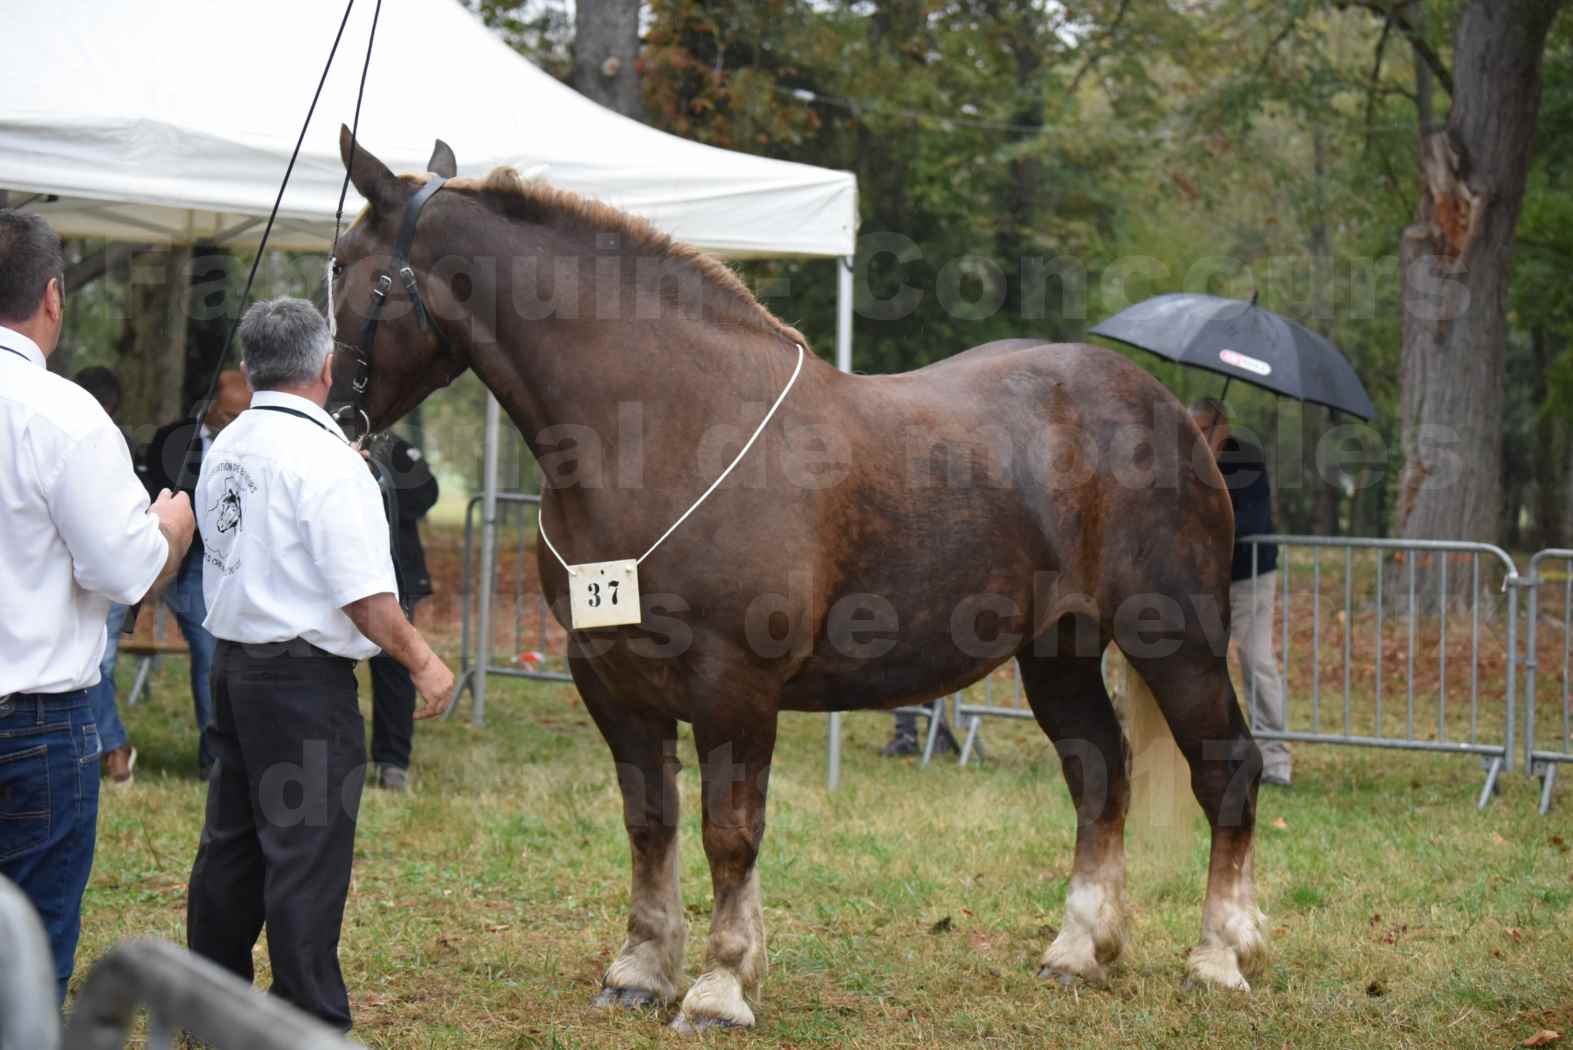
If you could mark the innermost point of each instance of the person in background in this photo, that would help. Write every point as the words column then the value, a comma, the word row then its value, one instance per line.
column 904, row 738
column 166, row 454
column 120, row 758
column 392, row 689
column 298, row 576
column 79, row 534
column 1252, row 586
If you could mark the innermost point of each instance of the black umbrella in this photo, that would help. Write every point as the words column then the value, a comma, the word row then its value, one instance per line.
column 1242, row 341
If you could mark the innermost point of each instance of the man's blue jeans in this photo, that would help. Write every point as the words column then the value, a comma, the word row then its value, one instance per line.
column 185, row 600
column 49, row 758
column 111, row 732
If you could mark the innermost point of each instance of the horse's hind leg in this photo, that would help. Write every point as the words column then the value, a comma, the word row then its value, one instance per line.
column 1192, row 687
column 734, row 763
column 1070, row 702
column 648, row 970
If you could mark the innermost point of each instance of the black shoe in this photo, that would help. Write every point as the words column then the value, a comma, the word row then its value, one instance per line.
column 901, row 746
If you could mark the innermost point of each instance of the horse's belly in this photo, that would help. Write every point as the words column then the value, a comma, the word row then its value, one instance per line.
column 865, row 659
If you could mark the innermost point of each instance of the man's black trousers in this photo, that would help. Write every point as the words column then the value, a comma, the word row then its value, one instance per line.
column 290, row 758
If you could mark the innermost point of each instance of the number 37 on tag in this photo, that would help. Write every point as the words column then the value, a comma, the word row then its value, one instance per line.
column 604, row 593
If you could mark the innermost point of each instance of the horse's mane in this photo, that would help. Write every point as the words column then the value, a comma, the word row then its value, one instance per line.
column 536, row 202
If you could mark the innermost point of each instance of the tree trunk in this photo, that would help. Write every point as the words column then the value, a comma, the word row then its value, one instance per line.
column 606, row 54
column 153, row 348
column 1456, row 259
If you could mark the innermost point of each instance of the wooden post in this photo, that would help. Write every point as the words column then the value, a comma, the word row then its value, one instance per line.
column 1163, row 813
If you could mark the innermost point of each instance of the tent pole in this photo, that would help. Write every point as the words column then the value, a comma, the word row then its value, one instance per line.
column 843, row 362
column 1226, row 381
column 483, row 634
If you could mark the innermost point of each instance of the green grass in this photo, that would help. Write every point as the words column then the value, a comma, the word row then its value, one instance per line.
column 486, row 904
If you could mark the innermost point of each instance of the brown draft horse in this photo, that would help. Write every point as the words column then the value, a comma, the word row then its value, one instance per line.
column 888, row 539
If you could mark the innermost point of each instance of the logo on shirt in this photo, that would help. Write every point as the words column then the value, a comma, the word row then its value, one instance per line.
column 224, row 517
column 231, row 508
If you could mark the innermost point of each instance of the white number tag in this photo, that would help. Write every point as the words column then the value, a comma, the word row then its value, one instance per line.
column 604, row 593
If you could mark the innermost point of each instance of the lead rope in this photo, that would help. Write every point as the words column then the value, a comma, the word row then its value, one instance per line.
column 130, row 624
column 540, row 521
column 344, row 187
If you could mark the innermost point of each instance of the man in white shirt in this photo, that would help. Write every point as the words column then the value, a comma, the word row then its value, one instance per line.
column 299, row 581
column 79, row 534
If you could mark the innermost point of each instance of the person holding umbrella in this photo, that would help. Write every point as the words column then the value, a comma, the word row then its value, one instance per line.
column 1251, row 586
column 1243, row 341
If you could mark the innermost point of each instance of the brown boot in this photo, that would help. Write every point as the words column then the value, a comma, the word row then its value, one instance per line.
column 120, row 765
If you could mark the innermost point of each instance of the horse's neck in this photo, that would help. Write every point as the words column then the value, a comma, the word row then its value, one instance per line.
column 621, row 397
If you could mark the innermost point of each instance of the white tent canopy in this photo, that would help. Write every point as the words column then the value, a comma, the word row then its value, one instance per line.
column 168, row 121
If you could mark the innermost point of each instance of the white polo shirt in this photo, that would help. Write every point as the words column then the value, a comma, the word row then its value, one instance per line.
column 75, row 533
column 294, row 529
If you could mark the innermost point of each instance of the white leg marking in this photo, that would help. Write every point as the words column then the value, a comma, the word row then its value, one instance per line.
column 1233, row 945
column 649, row 966
column 1094, row 928
column 736, row 962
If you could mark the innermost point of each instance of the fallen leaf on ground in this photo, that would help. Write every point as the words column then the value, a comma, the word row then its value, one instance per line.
column 1498, row 839
column 1280, row 823
column 1543, row 1037
column 942, row 926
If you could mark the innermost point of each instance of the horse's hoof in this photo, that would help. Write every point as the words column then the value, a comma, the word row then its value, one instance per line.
column 1214, row 967
column 715, row 1000
column 683, row 1026
column 625, row 998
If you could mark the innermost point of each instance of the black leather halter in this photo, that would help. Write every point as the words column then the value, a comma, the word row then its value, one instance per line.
column 379, row 298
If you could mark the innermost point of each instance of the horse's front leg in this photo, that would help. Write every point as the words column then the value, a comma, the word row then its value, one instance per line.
column 648, row 969
column 735, row 769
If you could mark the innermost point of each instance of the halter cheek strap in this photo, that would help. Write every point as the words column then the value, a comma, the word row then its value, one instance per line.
column 379, row 298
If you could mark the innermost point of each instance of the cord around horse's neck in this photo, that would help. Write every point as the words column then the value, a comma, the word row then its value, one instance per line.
column 618, row 407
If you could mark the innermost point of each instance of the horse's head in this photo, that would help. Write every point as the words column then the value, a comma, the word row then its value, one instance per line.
column 389, row 309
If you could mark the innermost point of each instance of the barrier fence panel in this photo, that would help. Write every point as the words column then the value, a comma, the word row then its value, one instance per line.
column 182, row 992
column 1547, row 739
column 1403, row 644
column 526, row 640
column 1414, row 643
column 998, row 696
column 28, row 1018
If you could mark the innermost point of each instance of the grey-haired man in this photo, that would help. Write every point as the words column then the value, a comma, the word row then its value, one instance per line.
column 300, row 586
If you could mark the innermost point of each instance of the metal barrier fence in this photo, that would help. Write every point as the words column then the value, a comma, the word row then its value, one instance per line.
column 1432, row 623
column 1540, row 757
column 1416, row 577
column 179, row 991
column 28, row 1019
column 1425, row 650
column 539, row 650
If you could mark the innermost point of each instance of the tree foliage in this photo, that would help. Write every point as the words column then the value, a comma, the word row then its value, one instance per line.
column 1027, row 167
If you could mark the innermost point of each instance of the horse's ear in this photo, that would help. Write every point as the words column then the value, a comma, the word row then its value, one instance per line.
column 443, row 161
column 371, row 177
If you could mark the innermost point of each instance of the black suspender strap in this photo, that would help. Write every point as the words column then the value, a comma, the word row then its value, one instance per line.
column 18, row 353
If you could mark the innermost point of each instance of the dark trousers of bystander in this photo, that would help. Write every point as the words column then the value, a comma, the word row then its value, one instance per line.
column 289, row 746
column 392, row 712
